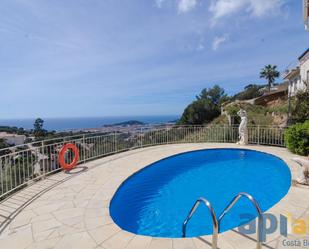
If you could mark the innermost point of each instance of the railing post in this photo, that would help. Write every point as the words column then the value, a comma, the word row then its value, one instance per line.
column 282, row 137
column 115, row 142
column 141, row 137
column 258, row 135
column 43, row 159
column 84, row 148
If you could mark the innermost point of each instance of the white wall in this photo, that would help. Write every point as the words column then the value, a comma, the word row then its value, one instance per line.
column 15, row 139
column 294, row 85
column 297, row 83
column 304, row 68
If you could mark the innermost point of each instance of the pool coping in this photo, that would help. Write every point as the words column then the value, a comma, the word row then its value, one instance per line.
column 85, row 213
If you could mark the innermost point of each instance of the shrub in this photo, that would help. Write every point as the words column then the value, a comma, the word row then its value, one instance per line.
column 205, row 108
column 297, row 138
column 301, row 109
column 251, row 91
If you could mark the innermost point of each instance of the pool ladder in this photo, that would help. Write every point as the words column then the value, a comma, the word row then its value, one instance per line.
column 216, row 222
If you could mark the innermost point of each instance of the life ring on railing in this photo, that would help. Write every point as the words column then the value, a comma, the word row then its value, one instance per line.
column 61, row 158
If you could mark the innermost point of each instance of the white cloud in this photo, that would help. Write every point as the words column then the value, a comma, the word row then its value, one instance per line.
column 217, row 42
column 183, row 6
column 257, row 8
column 222, row 8
column 186, row 5
column 261, row 8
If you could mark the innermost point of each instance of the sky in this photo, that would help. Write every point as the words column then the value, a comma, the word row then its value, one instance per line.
column 91, row 58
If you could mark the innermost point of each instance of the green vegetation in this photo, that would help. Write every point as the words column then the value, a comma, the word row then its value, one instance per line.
column 300, row 112
column 16, row 170
column 250, row 91
column 270, row 73
column 3, row 145
column 205, row 108
column 257, row 115
column 15, row 130
column 282, row 108
column 38, row 130
column 297, row 138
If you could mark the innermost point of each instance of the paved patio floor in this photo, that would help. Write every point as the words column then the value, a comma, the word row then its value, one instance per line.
column 73, row 210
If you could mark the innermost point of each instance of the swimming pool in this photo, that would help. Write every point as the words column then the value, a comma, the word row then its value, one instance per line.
column 156, row 200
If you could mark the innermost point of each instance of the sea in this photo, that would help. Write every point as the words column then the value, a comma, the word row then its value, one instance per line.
column 66, row 124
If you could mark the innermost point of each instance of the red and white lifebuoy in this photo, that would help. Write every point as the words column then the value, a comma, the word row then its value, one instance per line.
column 61, row 158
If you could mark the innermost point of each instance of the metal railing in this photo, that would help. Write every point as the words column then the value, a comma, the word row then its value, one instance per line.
column 257, row 208
column 22, row 165
column 216, row 222
column 215, row 225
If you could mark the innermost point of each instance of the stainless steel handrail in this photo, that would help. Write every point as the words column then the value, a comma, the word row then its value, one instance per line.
column 257, row 208
column 213, row 216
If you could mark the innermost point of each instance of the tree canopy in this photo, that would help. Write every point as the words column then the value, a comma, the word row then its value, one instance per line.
column 38, row 128
column 301, row 110
column 205, row 108
column 250, row 91
column 270, row 73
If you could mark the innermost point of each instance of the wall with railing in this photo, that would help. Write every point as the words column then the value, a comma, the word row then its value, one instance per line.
column 24, row 164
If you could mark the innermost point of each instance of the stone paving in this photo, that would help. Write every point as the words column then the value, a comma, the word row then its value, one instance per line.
column 75, row 213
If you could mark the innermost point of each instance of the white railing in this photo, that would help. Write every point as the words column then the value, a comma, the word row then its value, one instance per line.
column 24, row 164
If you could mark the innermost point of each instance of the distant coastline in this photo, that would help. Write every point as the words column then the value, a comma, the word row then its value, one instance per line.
column 126, row 123
column 66, row 124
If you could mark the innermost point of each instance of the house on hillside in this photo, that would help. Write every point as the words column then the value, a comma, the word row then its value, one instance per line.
column 12, row 139
column 298, row 77
column 304, row 67
column 277, row 94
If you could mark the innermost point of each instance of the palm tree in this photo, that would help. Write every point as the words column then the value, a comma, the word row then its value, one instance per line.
column 270, row 73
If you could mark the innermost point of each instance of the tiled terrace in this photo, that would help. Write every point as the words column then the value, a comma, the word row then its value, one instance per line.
column 72, row 210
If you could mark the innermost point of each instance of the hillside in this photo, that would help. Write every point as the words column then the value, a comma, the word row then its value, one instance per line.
column 274, row 114
column 213, row 106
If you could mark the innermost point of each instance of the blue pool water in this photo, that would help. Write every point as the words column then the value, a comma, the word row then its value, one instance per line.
column 156, row 200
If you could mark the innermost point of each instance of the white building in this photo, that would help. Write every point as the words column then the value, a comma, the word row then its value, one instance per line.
column 304, row 67
column 12, row 139
column 298, row 77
